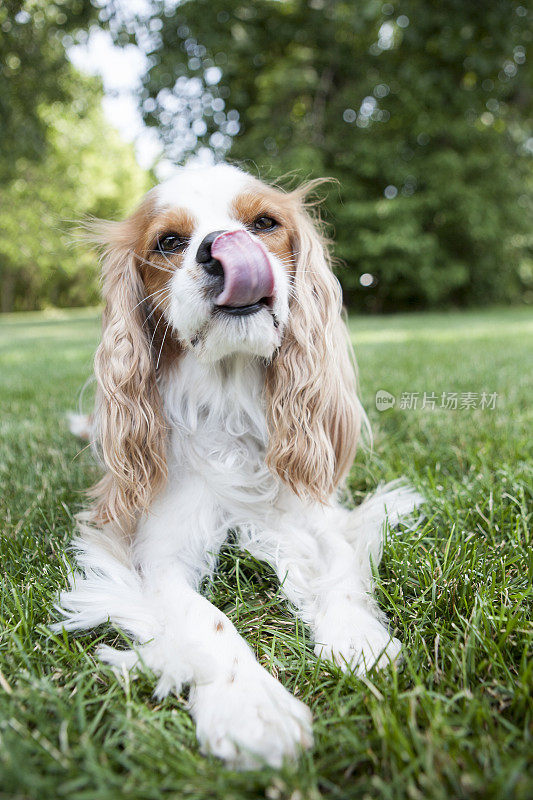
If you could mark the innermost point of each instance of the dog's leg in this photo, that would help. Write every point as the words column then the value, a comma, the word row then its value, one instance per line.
column 330, row 588
column 322, row 557
column 242, row 713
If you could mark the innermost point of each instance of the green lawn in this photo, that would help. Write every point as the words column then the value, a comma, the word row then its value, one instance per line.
column 453, row 721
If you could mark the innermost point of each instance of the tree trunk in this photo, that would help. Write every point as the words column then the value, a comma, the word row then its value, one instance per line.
column 7, row 292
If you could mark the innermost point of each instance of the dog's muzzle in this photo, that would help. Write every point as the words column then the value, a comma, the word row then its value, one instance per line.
column 240, row 265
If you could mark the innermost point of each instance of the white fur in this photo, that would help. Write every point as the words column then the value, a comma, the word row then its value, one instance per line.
column 322, row 556
column 79, row 425
column 218, row 481
column 208, row 193
column 204, row 190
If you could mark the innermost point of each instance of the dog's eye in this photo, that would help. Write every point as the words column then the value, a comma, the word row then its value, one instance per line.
column 171, row 243
column 265, row 223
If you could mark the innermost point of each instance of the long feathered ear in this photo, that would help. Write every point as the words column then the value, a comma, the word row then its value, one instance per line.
column 130, row 427
column 313, row 412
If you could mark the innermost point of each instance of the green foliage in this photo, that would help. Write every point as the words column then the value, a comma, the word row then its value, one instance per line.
column 420, row 111
column 453, row 721
column 86, row 170
column 59, row 159
column 34, row 70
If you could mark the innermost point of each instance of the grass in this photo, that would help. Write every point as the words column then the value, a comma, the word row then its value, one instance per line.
column 454, row 721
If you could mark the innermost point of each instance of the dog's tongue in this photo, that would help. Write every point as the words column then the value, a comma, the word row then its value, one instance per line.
column 248, row 276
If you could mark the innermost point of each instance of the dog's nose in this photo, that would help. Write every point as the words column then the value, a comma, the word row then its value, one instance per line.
column 239, row 267
column 248, row 273
column 204, row 257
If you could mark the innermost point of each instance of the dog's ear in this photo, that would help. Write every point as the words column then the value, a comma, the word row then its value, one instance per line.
column 313, row 412
column 129, row 422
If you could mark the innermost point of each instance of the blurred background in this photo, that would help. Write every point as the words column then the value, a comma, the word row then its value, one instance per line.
column 421, row 111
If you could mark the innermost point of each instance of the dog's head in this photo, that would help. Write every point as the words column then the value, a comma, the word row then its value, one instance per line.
column 218, row 263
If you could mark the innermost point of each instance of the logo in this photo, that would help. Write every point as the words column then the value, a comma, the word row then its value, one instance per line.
column 384, row 400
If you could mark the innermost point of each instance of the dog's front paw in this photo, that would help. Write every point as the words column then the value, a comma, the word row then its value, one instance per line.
column 350, row 636
column 249, row 719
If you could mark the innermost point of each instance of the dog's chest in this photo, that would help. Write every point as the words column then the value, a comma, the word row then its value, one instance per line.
column 220, row 435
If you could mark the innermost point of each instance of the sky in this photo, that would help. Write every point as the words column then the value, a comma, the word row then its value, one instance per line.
column 121, row 69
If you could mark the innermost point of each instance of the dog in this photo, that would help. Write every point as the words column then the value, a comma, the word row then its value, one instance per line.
column 226, row 400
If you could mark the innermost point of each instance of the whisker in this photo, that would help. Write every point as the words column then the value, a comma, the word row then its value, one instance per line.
column 155, row 308
column 151, row 263
column 158, row 291
column 161, row 348
column 295, row 299
column 155, row 330
column 167, row 259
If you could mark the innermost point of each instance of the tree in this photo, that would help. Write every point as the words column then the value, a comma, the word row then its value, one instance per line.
column 420, row 111
column 34, row 70
column 59, row 159
column 86, row 170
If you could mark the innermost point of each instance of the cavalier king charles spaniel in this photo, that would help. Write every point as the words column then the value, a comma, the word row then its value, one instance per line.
column 226, row 401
